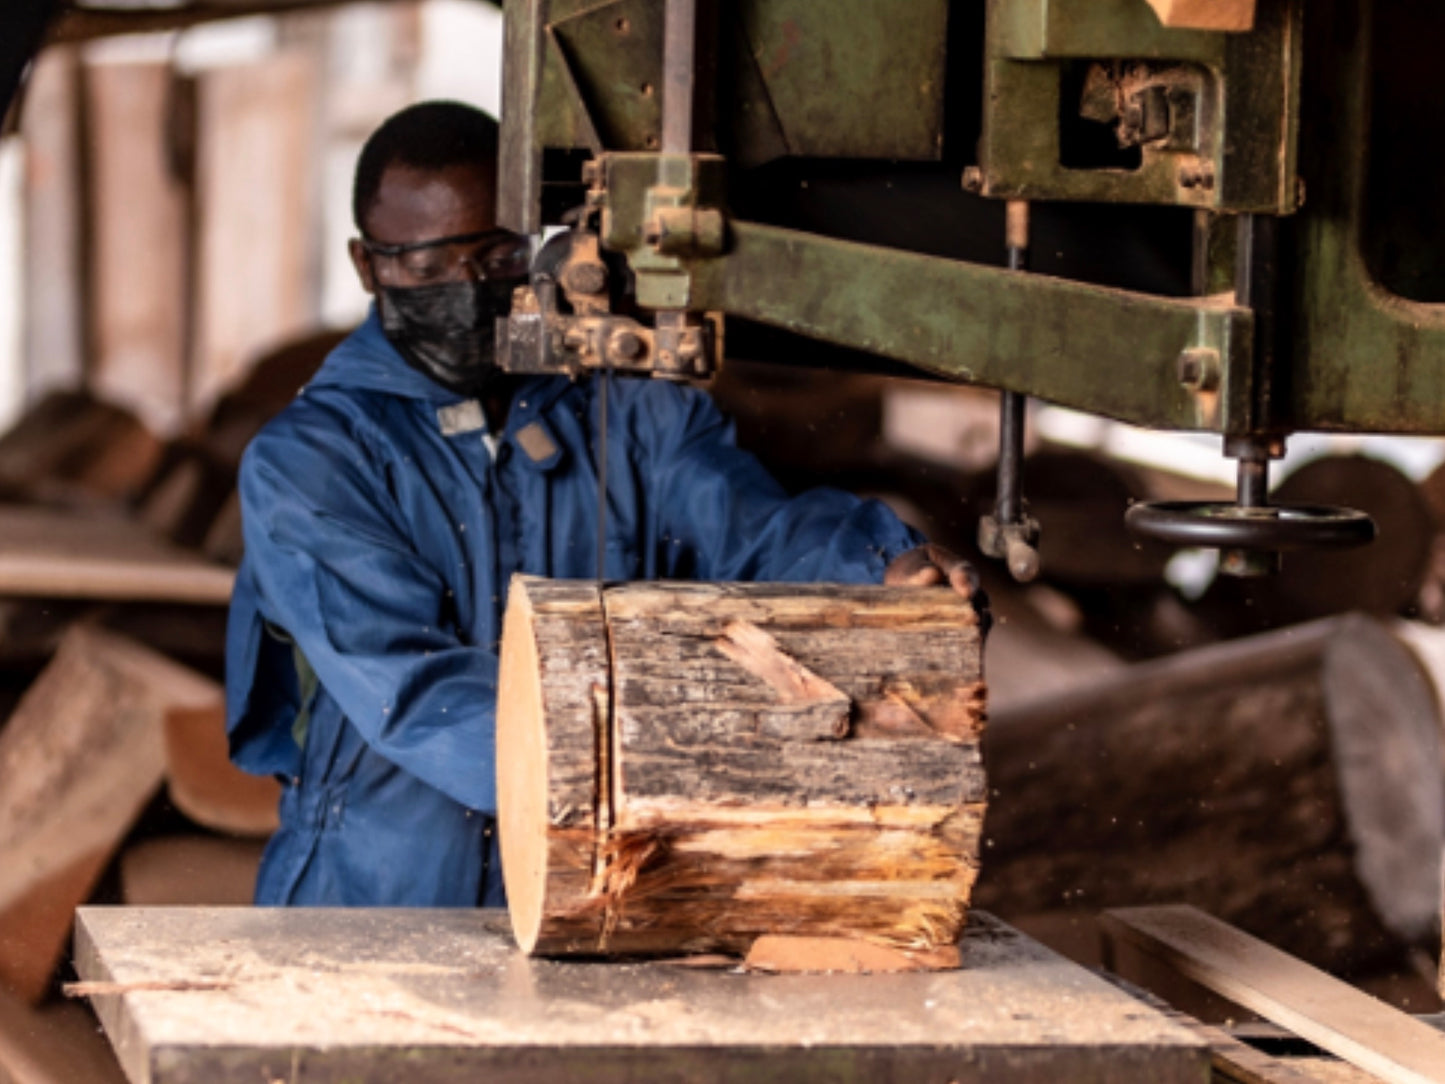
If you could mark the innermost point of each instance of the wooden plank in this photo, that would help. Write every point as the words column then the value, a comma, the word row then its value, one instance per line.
column 1329, row 1013
column 1231, row 15
column 54, row 293
column 79, row 759
column 54, row 555
column 254, row 214
column 1234, row 1059
column 138, row 251
column 332, row 994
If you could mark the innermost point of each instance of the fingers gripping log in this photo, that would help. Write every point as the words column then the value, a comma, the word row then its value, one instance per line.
column 689, row 767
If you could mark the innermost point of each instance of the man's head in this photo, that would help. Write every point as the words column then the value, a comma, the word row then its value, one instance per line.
column 424, row 201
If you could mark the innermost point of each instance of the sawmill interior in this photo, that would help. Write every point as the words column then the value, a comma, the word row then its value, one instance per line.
column 1137, row 307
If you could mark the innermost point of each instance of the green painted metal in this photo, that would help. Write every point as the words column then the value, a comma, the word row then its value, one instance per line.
column 1098, row 349
column 584, row 67
column 1247, row 105
column 613, row 54
column 1364, row 359
column 1057, row 29
column 636, row 187
column 852, row 78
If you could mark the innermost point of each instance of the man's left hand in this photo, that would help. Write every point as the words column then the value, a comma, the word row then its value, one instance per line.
column 931, row 564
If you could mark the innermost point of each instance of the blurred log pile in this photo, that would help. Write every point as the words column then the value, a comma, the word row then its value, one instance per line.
column 117, row 551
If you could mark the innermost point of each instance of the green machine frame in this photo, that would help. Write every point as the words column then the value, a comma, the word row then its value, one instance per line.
column 1262, row 133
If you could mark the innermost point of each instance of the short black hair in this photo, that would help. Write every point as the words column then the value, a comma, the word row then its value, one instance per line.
column 428, row 135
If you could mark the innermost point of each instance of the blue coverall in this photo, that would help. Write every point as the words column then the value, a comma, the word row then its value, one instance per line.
column 382, row 524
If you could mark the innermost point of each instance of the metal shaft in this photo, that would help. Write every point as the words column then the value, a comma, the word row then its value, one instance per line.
column 679, row 57
column 1009, row 506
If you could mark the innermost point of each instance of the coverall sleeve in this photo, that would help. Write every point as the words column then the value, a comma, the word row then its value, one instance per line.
column 334, row 570
column 724, row 517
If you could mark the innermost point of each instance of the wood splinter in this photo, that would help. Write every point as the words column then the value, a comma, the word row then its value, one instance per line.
column 810, row 708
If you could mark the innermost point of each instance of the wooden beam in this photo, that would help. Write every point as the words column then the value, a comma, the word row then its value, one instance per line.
column 1329, row 1013
column 1231, row 15
column 54, row 555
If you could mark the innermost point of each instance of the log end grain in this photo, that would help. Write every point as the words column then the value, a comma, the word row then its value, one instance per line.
column 522, row 772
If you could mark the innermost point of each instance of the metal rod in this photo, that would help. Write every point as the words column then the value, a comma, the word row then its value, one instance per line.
column 604, row 382
column 1009, row 506
column 1253, row 487
column 679, row 56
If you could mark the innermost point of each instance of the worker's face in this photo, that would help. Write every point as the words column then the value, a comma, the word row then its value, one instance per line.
column 429, row 226
column 441, row 271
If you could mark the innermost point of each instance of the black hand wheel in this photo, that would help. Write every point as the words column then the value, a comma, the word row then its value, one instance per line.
column 1231, row 526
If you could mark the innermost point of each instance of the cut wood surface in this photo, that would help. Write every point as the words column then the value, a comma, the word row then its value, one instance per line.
column 1329, row 1013
column 675, row 776
column 1289, row 782
column 205, row 785
column 56, row 555
column 1233, row 15
column 79, row 759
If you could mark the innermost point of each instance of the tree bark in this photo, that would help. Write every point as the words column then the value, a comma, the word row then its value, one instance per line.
column 687, row 767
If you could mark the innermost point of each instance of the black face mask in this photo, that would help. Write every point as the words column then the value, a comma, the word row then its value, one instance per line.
column 447, row 331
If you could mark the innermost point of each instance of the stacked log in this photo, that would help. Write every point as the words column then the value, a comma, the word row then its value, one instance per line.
column 691, row 767
column 1289, row 783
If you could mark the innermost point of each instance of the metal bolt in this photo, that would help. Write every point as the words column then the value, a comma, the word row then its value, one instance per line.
column 626, row 345
column 1198, row 368
column 1197, row 176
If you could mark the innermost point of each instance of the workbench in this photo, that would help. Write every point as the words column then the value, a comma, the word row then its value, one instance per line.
column 191, row 995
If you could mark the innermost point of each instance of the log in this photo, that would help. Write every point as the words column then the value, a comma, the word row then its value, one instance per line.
column 71, row 447
column 689, row 767
column 1427, row 644
column 1288, row 783
column 205, row 785
column 190, row 871
column 79, row 759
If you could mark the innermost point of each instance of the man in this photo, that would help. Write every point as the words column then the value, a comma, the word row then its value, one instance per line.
column 387, row 507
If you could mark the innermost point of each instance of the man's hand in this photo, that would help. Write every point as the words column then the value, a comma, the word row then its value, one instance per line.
column 931, row 564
